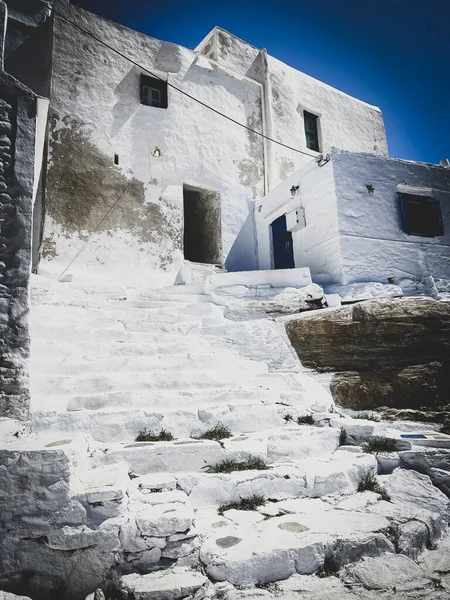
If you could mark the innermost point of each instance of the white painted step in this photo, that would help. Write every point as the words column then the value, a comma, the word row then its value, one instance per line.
column 337, row 473
column 276, row 548
column 239, row 411
column 169, row 345
column 101, row 382
column 192, row 455
column 70, row 366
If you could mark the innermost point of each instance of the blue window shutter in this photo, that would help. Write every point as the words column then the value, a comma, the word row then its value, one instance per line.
column 435, row 224
column 404, row 214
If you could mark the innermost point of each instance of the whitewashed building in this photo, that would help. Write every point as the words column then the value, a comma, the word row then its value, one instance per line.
column 355, row 217
column 157, row 153
column 143, row 174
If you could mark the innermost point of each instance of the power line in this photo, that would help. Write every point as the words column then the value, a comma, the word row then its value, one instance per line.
column 88, row 33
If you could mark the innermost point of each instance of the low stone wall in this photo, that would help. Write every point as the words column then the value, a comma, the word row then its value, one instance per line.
column 17, row 149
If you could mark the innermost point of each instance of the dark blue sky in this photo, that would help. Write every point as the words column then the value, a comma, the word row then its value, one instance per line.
column 391, row 53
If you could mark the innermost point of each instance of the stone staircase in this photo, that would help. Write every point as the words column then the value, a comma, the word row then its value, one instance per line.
column 108, row 363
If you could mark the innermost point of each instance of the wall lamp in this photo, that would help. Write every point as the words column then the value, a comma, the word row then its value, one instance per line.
column 156, row 152
column 294, row 189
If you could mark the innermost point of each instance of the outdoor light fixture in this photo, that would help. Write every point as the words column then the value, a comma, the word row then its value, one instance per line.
column 294, row 188
column 156, row 152
column 370, row 189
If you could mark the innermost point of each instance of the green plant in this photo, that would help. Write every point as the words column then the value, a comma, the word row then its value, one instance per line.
column 305, row 420
column 162, row 436
column 132, row 475
column 218, row 432
column 367, row 416
column 244, row 504
column 288, row 418
column 376, row 444
column 228, row 466
column 343, row 437
column 370, row 483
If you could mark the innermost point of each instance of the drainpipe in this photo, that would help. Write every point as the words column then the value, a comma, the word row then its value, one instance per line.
column 267, row 119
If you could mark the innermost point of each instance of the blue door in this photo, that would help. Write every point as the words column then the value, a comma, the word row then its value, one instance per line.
column 283, row 251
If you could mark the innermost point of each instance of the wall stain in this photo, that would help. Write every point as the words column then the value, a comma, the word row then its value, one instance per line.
column 286, row 168
column 83, row 184
column 48, row 248
column 277, row 104
column 251, row 170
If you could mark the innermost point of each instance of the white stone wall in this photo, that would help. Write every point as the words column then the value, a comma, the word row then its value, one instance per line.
column 95, row 109
column 96, row 113
column 373, row 244
column 317, row 245
column 344, row 121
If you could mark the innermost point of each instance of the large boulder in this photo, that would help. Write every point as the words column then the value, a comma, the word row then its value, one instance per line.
column 393, row 353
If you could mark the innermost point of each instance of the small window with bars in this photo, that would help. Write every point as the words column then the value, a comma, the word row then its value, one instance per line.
column 421, row 215
column 311, row 131
column 153, row 92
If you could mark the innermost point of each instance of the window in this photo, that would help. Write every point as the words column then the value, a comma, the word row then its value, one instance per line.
column 421, row 215
column 311, row 131
column 153, row 92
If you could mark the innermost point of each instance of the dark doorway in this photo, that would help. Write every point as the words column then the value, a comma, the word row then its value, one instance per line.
column 283, row 251
column 202, row 225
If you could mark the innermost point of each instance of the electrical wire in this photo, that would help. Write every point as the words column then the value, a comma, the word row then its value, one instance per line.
column 171, row 85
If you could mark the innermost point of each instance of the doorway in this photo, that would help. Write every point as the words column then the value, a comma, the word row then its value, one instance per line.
column 202, row 240
column 282, row 247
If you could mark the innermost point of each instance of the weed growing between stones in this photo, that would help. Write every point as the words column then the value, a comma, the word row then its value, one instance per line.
column 305, row 420
column 288, row 418
column 228, row 466
column 368, row 416
column 162, row 436
column 375, row 445
column 244, row 504
column 342, row 437
column 369, row 483
column 132, row 475
column 216, row 433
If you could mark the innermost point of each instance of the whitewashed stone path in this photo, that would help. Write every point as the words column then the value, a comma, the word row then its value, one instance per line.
column 109, row 362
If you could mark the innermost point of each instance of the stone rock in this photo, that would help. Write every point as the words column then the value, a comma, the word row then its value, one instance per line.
column 295, row 543
column 404, row 366
column 412, row 538
column 173, row 584
column 432, row 462
column 164, row 520
column 392, row 571
column 411, row 386
column 146, row 560
column 356, row 292
column 9, row 596
column 410, row 487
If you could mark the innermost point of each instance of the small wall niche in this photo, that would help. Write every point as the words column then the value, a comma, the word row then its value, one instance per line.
column 116, row 159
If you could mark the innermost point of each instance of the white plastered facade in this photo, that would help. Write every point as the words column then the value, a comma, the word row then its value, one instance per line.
column 95, row 95
column 353, row 229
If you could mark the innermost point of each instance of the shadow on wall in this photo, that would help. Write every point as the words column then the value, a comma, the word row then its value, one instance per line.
column 242, row 256
column 127, row 102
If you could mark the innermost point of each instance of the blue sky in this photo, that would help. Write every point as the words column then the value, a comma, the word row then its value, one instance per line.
column 391, row 53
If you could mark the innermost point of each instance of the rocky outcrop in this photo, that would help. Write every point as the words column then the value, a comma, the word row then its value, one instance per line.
column 391, row 353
